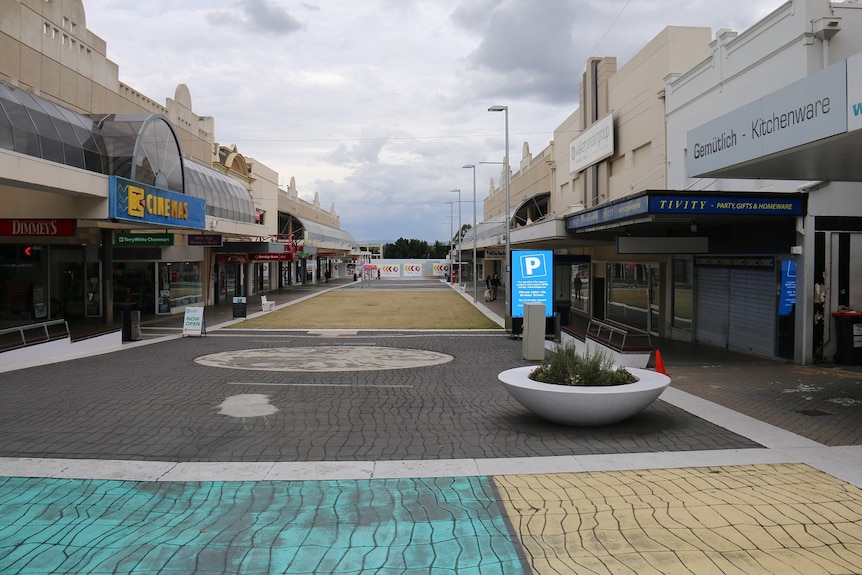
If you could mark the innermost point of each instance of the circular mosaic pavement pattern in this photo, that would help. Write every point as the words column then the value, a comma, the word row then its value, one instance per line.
column 324, row 358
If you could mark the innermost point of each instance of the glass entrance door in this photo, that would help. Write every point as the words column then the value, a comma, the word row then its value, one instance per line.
column 634, row 295
column 654, row 298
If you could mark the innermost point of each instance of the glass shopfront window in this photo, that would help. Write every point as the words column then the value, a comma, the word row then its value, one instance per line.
column 180, row 284
column 580, row 288
column 628, row 294
column 634, row 295
column 683, row 280
column 133, row 285
column 24, row 286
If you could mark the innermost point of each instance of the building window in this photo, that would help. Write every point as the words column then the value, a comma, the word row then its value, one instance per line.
column 681, row 304
column 180, row 284
column 580, row 298
column 628, row 294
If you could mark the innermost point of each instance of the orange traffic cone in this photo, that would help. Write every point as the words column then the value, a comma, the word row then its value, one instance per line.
column 659, row 363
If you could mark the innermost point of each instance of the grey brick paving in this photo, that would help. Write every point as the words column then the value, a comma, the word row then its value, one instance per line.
column 821, row 402
column 154, row 403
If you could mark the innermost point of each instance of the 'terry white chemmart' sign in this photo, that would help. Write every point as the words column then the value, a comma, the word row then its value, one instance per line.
column 805, row 111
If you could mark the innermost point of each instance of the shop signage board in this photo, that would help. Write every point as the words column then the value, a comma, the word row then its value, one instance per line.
column 143, row 204
column 690, row 205
column 27, row 227
column 212, row 241
column 193, row 322
column 803, row 112
column 532, row 280
column 271, row 257
column 764, row 262
column 594, row 145
column 854, row 93
column 763, row 205
column 125, row 239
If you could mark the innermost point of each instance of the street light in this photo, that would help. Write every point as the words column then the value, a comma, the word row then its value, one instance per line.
column 505, row 110
column 451, row 239
column 459, row 233
column 475, row 270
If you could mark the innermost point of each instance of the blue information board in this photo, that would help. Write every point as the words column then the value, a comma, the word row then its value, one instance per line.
column 532, row 280
column 787, row 291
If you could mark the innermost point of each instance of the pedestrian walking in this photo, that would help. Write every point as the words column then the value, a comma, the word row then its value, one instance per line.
column 495, row 285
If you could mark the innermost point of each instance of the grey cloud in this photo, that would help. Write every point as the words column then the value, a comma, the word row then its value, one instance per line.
column 526, row 50
column 363, row 151
column 263, row 16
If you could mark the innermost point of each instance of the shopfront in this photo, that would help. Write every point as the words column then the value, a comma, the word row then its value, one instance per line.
column 694, row 267
column 42, row 275
column 228, row 271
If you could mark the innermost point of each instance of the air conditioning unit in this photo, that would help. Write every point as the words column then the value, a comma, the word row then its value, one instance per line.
column 826, row 27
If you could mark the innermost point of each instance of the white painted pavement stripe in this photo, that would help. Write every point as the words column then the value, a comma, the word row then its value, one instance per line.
column 824, row 459
column 842, row 462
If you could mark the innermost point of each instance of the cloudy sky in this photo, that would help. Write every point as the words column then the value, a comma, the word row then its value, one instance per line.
column 375, row 105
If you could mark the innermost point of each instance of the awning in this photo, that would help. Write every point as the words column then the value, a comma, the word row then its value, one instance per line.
column 226, row 198
column 669, row 212
column 318, row 233
column 494, row 226
column 49, row 131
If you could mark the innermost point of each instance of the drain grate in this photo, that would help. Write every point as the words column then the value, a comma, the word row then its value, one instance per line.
column 812, row 412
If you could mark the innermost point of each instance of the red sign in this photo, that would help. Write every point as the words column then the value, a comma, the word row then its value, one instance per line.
column 272, row 257
column 16, row 227
column 230, row 258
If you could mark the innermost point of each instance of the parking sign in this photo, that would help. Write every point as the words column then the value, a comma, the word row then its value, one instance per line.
column 533, row 280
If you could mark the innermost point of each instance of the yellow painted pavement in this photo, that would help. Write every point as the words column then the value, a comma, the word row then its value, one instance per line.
column 753, row 519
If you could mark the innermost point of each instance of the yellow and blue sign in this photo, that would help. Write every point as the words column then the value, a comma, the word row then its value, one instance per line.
column 135, row 202
column 532, row 280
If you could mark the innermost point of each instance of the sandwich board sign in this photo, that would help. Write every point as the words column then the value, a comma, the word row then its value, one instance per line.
column 193, row 322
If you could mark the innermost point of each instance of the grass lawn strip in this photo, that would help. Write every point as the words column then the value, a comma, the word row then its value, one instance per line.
column 392, row 309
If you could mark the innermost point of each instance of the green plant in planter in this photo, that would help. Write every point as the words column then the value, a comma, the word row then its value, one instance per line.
column 566, row 366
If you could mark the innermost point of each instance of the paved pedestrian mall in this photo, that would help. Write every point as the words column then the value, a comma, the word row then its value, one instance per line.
column 327, row 451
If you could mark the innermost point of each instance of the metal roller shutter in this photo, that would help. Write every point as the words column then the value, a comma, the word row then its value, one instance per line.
column 752, row 311
column 712, row 295
column 735, row 309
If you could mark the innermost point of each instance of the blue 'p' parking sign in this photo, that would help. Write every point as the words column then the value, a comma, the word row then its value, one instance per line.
column 532, row 280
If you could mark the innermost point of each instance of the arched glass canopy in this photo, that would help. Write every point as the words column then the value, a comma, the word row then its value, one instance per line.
column 140, row 147
column 225, row 197
column 143, row 148
column 37, row 127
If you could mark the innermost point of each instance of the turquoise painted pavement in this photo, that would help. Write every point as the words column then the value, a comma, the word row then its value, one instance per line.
column 438, row 525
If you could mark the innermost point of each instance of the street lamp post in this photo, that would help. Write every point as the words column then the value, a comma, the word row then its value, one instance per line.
column 459, row 233
column 475, row 269
column 505, row 110
column 451, row 239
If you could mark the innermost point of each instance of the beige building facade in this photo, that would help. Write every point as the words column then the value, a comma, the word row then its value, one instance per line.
column 112, row 201
column 610, row 148
column 664, row 220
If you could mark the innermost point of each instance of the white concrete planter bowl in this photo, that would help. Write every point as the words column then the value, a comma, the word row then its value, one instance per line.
column 584, row 405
